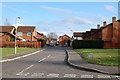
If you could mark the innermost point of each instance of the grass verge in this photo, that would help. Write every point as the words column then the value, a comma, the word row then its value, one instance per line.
column 106, row 57
column 10, row 51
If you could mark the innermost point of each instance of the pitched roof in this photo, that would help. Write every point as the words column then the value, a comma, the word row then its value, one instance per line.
column 40, row 34
column 10, row 34
column 25, row 28
column 65, row 35
column 6, row 28
column 77, row 34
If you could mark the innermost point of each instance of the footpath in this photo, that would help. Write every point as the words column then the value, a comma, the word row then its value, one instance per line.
column 75, row 60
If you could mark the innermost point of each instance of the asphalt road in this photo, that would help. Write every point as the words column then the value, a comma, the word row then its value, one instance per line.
column 49, row 63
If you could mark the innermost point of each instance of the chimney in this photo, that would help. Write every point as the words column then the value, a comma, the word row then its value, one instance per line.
column 98, row 26
column 104, row 23
column 113, row 19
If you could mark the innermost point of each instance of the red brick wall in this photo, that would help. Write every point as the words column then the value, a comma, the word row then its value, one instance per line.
column 116, row 32
column 107, row 33
column 114, row 35
column 111, row 45
column 96, row 36
column 108, row 45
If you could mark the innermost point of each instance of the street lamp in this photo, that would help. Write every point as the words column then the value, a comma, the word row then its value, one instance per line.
column 16, row 26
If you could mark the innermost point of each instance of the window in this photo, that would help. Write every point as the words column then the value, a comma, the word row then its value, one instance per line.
column 29, row 34
column 19, row 33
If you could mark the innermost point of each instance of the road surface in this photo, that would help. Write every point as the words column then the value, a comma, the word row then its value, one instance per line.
column 49, row 63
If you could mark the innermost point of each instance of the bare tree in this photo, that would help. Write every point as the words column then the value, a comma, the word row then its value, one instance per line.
column 52, row 36
column 7, row 23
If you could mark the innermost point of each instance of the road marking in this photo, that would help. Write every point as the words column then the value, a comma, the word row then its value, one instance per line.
column 104, row 76
column 86, row 76
column 49, row 56
column 70, row 75
column 43, row 59
column 7, row 60
column 21, row 73
column 37, row 74
column 53, row 75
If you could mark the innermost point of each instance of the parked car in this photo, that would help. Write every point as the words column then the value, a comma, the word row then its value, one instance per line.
column 52, row 44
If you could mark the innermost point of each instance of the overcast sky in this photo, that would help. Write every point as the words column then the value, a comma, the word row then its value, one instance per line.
column 60, row 17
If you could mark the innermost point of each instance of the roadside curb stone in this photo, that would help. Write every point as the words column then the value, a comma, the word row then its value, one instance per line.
column 70, row 62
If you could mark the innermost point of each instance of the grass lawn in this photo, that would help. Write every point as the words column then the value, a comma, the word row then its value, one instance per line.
column 10, row 51
column 106, row 57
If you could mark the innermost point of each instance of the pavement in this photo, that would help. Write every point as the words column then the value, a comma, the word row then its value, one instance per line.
column 76, row 60
column 48, row 63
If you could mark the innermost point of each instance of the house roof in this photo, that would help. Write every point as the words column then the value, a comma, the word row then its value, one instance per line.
column 26, row 28
column 10, row 34
column 65, row 35
column 40, row 34
column 6, row 28
column 77, row 34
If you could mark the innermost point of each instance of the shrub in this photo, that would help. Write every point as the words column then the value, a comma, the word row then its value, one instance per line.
column 10, row 44
column 76, row 44
column 5, row 45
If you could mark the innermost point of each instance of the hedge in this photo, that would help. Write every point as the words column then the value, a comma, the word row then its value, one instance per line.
column 76, row 44
column 11, row 44
column 43, row 42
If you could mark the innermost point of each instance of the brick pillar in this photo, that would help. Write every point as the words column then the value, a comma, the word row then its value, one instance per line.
column 115, row 40
column 98, row 26
column 104, row 24
column 115, row 30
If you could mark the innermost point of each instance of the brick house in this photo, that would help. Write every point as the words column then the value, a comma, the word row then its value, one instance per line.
column 64, row 40
column 108, row 33
column 77, row 35
column 111, row 34
column 24, row 33
column 27, row 33
column 7, row 33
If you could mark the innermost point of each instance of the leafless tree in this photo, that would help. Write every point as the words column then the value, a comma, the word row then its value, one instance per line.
column 52, row 35
column 7, row 22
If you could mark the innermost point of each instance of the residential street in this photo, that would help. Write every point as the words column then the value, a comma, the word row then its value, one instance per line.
column 46, row 64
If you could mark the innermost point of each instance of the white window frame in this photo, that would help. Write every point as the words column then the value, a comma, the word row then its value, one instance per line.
column 29, row 33
column 20, row 34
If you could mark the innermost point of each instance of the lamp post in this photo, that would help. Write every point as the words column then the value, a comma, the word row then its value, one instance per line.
column 16, row 26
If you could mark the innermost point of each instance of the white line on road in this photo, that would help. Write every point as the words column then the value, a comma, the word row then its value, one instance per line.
column 20, row 56
column 49, row 56
column 86, row 76
column 103, row 76
column 70, row 75
column 43, row 59
column 37, row 74
column 53, row 75
column 20, row 73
